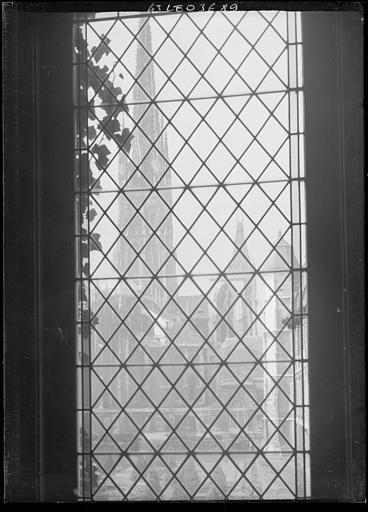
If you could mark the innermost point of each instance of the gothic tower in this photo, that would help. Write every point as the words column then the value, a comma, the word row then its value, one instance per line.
column 146, row 165
column 241, row 271
column 239, row 312
column 282, row 276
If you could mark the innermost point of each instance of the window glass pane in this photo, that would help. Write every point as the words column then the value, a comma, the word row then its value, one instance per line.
column 191, row 260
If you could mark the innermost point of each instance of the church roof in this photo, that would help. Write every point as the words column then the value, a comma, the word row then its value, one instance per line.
column 281, row 257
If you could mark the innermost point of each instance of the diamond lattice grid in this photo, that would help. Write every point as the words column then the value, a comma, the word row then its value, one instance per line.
column 191, row 268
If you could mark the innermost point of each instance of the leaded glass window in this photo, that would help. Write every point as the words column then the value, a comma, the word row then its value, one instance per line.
column 191, row 256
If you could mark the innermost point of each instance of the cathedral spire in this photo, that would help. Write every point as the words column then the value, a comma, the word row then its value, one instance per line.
column 146, row 164
column 241, row 262
column 144, row 91
column 239, row 235
column 143, row 64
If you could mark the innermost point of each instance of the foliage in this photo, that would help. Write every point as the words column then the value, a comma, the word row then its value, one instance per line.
column 95, row 86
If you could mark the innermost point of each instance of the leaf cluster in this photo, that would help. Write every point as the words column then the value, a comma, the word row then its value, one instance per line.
column 96, row 86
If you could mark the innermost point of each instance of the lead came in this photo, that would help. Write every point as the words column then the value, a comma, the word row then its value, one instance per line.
column 191, row 276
